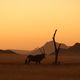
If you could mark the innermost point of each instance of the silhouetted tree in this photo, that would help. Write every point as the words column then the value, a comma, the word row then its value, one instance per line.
column 56, row 48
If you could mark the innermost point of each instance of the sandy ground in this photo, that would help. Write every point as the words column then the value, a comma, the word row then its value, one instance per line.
column 12, row 67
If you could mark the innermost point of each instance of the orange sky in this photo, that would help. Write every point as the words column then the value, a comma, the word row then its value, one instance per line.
column 27, row 24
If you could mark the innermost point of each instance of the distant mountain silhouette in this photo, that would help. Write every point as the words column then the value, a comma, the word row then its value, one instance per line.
column 24, row 52
column 7, row 52
column 75, row 48
column 49, row 47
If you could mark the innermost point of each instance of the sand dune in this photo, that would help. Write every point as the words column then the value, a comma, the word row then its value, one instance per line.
column 12, row 67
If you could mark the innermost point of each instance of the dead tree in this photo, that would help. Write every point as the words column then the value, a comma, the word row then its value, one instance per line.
column 57, row 49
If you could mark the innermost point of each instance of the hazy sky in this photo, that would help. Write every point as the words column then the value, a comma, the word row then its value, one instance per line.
column 27, row 24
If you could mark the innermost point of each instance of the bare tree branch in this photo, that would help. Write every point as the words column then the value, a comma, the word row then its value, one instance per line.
column 55, row 46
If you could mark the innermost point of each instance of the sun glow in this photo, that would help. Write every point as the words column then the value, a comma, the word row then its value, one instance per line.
column 26, row 24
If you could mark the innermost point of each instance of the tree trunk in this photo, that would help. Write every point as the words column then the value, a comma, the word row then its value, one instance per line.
column 56, row 49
